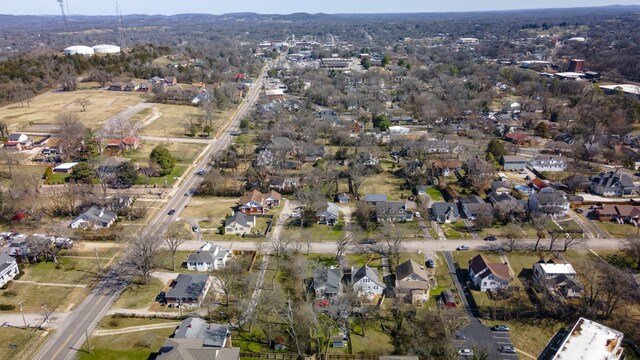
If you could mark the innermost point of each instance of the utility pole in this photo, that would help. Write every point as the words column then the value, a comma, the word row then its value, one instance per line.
column 46, row 315
column 22, row 313
column 98, row 260
column 86, row 335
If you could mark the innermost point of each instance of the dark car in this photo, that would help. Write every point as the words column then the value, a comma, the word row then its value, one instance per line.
column 201, row 172
column 430, row 263
column 507, row 349
column 161, row 297
column 490, row 238
column 368, row 241
column 171, row 212
column 195, row 228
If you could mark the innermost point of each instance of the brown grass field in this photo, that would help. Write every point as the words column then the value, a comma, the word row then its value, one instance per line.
column 175, row 118
column 44, row 108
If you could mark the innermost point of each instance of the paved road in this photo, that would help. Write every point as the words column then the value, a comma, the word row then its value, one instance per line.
column 64, row 343
column 476, row 335
column 177, row 140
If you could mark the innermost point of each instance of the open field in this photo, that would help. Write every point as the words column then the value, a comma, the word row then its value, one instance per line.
column 34, row 296
column 618, row 230
column 183, row 152
column 530, row 336
column 66, row 271
column 21, row 172
column 176, row 120
column 213, row 210
column 374, row 341
column 26, row 342
column 385, row 183
column 313, row 233
column 132, row 346
column 44, row 108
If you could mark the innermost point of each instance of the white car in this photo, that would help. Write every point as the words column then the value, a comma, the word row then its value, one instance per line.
column 463, row 247
column 416, row 214
column 465, row 352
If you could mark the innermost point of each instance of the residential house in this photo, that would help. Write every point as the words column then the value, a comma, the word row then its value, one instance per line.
column 19, row 247
column 437, row 147
column 508, row 202
column 375, row 198
column 208, row 258
column 513, row 162
column 239, row 224
column 586, row 340
column 367, row 159
column 538, row 184
column 393, row 211
column 327, row 282
column 94, row 218
column 156, row 80
column 255, row 202
column 117, row 86
column 18, row 141
column 412, row 281
column 500, row 187
column 188, row 290
column 552, row 203
column 127, row 143
column 487, row 276
column 365, row 281
column 518, row 137
column 547, row 164
column 131, row 86
column 313, row 153
column 8, row 268
column 329, row 215
column 283, row 183
column 618, row 213
column 265, row 159
column 558, row 278
column 343, row 198
column 110, row 165
column 195, row 339
column 65, row 168
column 170, row 81
column 473, row 205
column 445, row 167
column 445, row 213
column 612, row 184
column 403, row 119
column 274, row 94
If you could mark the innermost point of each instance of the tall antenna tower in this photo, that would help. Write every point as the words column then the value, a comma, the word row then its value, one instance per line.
column 122, row 44
column 64, row 18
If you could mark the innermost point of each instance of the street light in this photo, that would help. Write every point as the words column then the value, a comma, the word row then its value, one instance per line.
column 22, row 313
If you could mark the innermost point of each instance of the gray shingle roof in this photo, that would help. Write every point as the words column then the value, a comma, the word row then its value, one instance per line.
column 441, row 208
column 240, row 218
column 410, row 267
column 375, row 197
column 329, row 279
column 207, row 256
column 365, row 271
column 188, row 286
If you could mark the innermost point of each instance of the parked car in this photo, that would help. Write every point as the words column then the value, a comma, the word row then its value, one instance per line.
column 417, row 214
column 465, row 352
column 507, row 349
column 201, row 172
column 500, row 328
column 171, row 212
column 579, row 211
column 195, row 228
column 368, row 241
column 430, row 263
column 463, row 247
column 490, row 238
column 460, row 336
column 161, row 297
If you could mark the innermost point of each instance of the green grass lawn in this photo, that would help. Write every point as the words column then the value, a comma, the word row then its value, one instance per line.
column 314, row 233
column 58, row 178
column 374, row 341
column 139, row 296
column 456, row 231
column 618, row 230
column 322, row 259
column 113, row 322
column 27, row 342
column 69, row 271
column 415, row 256
column 359, row 260
column 131, row 346
column 435, row 194
column 170, row 179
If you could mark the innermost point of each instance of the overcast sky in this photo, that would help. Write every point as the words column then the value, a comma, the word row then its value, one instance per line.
column 169, row 7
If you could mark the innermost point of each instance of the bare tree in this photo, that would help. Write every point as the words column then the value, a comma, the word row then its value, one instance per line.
column 357, row 176
column 71, row 132
column 4, row 131
column 69, row 82
column 174, row 237
column 83, row 103
column 142, row 256
column 230, row 279
column 344, row 244
column 607, row 288
column 539, row 222
column 279, row 246
column 9, row 159
column 393, row 237
column 572, row 239
column 512, row 235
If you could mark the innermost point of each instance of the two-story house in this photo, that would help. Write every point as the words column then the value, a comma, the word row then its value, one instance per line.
column 487, row 276
column 550, row 202
column 255, row 202
column 612, row 184
column 445, row 212
column 327, row 282
column 8, row 268
column 412, row 281
column 513, row 162
column 393, row 211
column 365, row 281
column 547, row 164
column 208, row 258
column 558, row 278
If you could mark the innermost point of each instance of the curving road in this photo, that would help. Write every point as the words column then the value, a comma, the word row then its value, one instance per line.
column 67, row 340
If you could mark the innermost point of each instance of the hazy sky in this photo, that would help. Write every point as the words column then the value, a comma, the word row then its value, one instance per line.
column 168, row 7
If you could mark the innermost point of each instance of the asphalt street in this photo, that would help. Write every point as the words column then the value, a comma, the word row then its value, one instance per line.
column 66, row 341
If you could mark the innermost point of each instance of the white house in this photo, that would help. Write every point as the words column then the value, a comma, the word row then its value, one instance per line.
column 208, row 258
column 488, row 276
column 552, row 203
column 239, row 224
column 65, row 168
column 8, row 268
column 365, row 281
column 547, row 164
column 561, row 278
column 94, row 218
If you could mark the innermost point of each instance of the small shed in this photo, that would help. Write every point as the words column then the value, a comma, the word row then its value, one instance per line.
column 448, row 300
column 343, row 198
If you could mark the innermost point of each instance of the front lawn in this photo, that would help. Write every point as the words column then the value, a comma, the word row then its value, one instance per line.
column 26, row 342
column 456, row 230
column 34, row 296
column 169, row 180
column 435, row 194
column 374, row 341
column 66, row 271
column 618, row 230
column 131, row 346
column 139, row 296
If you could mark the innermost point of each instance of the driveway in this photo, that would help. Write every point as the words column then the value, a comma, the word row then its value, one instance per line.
column 478, row 336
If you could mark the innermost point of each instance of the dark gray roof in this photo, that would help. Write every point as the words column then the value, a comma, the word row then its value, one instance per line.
column 612, row 179
column 6, row 261
column 513, row 158
column 188, row 286
column 97, row 215
column 391, row 208
column 497, row 198
column 441, row 208
column 499, row 184
column 365, row 271
column 212, row 335
column 410, row 267
column 207, row 254
column 472, row 199
column 329, row 279
column 239, row 218
column 553, row 198
column 375, row 197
